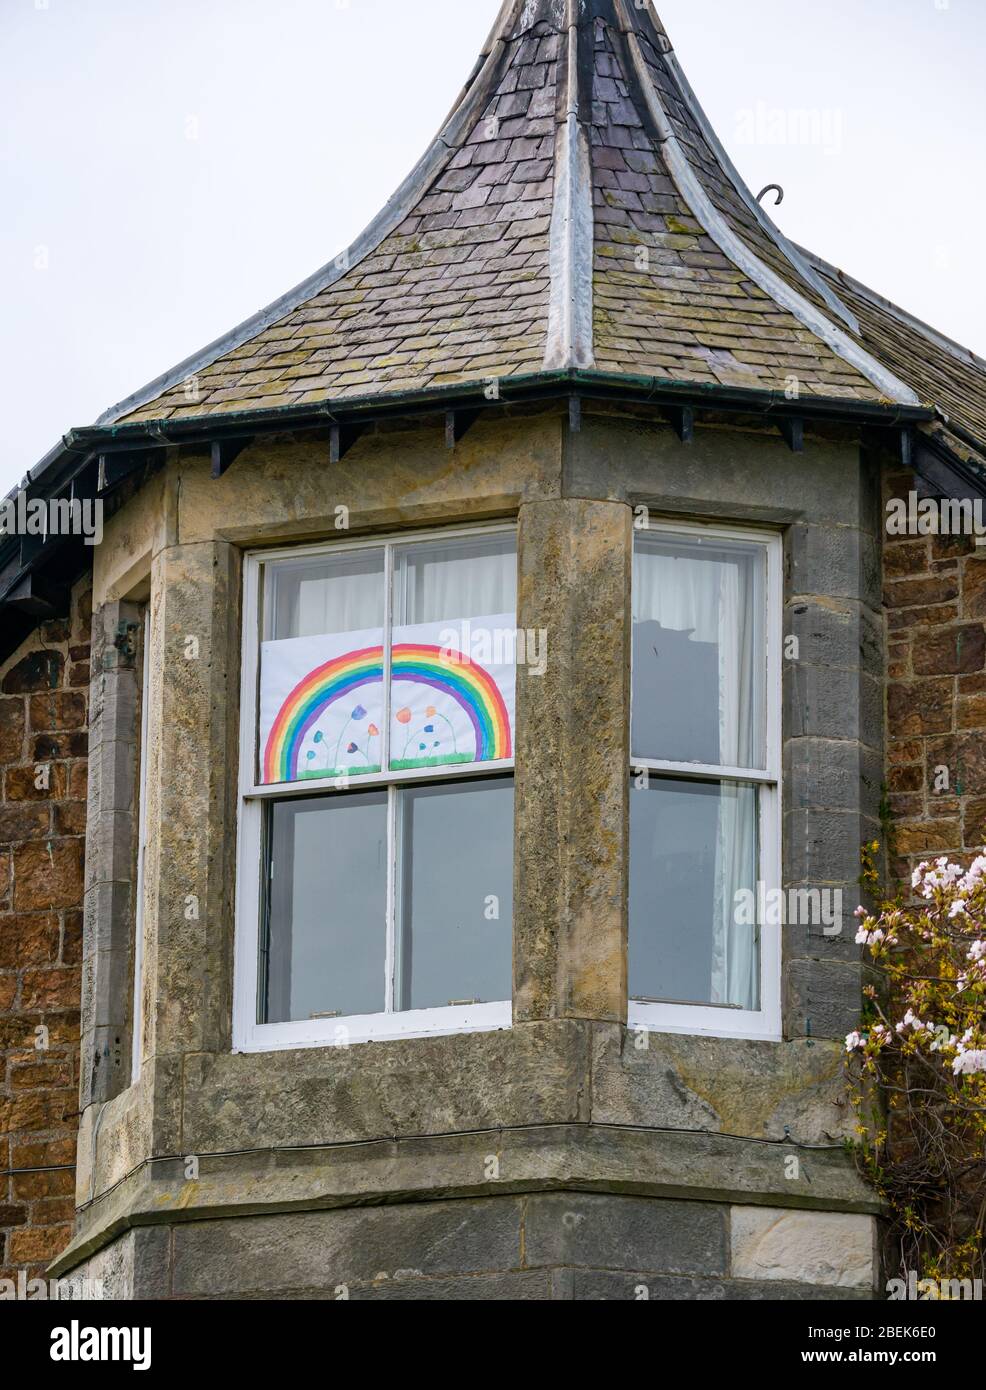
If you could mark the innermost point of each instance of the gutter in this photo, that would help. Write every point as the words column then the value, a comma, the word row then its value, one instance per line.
column 81, row 446
column 532, row 387
column 52, row 471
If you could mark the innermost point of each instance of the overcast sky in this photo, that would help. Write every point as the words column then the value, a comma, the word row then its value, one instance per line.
column 169, row 166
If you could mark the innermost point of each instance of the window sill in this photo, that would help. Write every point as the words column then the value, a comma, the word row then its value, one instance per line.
column 698, row 1021
column 363, row 1028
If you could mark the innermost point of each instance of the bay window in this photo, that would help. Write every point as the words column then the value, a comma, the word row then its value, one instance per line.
column 376, row 828
column 705, row 752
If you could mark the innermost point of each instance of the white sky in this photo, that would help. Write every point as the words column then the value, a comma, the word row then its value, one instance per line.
column 169, row 166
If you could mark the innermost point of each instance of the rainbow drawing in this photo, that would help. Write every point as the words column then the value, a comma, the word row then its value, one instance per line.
column 464, row 681
column 468, row 684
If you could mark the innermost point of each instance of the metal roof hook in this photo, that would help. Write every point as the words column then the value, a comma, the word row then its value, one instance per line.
column 772, row 188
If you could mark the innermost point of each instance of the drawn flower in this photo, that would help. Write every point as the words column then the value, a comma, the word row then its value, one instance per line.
column 358, row 713
column 352, row 748
column 429, row 728
column 311, row 757
column 403, row 716
column 430, row 712
column 318, row 737
column 373, row 731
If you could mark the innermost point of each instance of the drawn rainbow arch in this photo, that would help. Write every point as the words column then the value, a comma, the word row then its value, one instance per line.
column 464, row 681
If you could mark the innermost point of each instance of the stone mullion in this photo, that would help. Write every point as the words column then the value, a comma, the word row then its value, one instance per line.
column 570, row 900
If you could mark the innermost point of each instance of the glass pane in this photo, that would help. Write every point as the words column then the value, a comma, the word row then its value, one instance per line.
column 341, row 593
column 699, row 655
column 450, row 580
column 455, row 894
column 327, row 908
column 454, row 652
column 693, row 865
column 321, row 671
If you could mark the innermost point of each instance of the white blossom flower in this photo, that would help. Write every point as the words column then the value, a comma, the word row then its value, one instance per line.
column 975, row 874
column 869, row 936
column 967, row 1063
column 942, row 876
column 911, row 1021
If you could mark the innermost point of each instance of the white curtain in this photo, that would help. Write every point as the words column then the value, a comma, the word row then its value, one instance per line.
column 717, row 597
column 456, row 580
column 735, row 958
column 434, row 583
column 345, row 594
column 677, row 591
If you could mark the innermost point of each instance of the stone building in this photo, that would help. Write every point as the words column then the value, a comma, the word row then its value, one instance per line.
column 408, row 969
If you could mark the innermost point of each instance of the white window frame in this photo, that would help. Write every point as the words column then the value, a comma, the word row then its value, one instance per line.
column 711, row 1020
column 248, row 1034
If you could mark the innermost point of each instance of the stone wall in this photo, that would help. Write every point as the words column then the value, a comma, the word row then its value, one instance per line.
column 43, row 750
column 345, row 1164
column 935, row 600
column 674, row 1160
column 532, row 1248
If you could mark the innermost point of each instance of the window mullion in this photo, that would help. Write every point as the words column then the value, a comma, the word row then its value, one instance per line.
column 391, row 964
column 388, row 640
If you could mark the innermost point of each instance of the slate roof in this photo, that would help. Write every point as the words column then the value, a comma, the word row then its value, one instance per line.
column 575, row 211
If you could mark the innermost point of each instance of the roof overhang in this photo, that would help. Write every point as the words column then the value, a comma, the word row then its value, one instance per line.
column 109, row 462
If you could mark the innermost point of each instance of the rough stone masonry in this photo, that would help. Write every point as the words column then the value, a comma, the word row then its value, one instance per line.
column 44, row 692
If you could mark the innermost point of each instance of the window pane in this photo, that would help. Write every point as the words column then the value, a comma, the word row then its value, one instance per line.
column 693, row 852
column 454, row 660
column 326, row 941
column 699, row 655
column 450, row 580
column 321, row 672
column 456, row 894
column 342, row 593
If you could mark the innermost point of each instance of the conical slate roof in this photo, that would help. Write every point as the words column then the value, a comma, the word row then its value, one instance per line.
column 575, row 211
